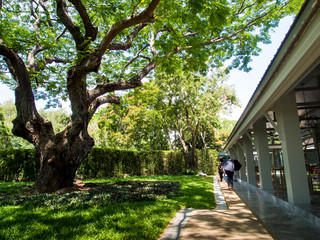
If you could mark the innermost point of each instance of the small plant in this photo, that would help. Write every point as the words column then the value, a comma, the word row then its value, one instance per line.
column 190, row 172
column 99, row 194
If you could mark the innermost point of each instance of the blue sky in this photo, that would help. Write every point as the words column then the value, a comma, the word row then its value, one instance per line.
column 244, row 83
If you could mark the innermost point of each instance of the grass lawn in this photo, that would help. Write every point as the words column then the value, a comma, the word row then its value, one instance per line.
column 90, row 216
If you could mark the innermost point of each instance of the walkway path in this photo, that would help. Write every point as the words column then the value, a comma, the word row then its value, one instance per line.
column 235, row 221
column 253, row 215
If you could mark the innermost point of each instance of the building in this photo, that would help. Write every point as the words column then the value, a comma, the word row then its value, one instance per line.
column 280, row 126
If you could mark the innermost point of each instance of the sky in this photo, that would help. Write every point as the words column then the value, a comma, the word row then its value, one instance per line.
column 244, row 83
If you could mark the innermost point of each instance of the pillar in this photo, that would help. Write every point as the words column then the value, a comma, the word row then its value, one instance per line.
column 292, row 149
column 250, row 166
column 233, row 153
column 261, row 143
column 240, row 154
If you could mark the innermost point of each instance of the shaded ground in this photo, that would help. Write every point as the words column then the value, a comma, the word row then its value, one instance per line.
column 91, row 193
column 235, row 222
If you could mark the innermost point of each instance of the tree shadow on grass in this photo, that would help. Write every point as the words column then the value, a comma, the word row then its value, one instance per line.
column 132, row 214
column 124, row 209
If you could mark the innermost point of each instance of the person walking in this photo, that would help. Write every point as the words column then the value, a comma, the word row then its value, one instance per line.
column 220, row 170
column 229, row 179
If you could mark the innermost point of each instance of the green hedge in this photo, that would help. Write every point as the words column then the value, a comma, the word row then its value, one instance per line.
column 18, row 164
column 116, row 163
column 21, row 164
column 207, row 161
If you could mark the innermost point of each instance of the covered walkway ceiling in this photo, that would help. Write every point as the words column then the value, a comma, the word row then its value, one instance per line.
column 307, row 94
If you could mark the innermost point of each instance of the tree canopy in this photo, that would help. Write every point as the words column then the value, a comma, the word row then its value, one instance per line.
column 126, row 39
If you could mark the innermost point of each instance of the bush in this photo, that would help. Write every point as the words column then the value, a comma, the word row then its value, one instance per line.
column 18, row 164
column 23, row 164
column 207, row 160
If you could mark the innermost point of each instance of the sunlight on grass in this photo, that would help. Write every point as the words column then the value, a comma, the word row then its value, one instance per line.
column 126, row 220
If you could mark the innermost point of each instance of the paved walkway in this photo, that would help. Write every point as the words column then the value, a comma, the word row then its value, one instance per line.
column 253, row 215
column 231, row 220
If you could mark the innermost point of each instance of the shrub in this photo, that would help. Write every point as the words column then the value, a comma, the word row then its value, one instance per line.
column 22, row 164
column 18, row 164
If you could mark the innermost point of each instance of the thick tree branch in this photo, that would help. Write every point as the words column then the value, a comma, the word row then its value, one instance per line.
column 91, row 31
column 114, row 86
column 32, row 55
column 17, row 66
column 100, row 101
column 10, row 67
column 126, row 45
column 126, row 23
column 68, row 23
column 152, row 41
column 28, row 123
column 35, row 66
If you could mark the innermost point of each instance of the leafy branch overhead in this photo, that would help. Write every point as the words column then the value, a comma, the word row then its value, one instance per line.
column 90, row 36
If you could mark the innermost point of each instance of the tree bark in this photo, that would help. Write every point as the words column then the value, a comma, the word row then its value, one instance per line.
column 194, row 133
column 60, row 160
column 188, row 160
column 59, row 154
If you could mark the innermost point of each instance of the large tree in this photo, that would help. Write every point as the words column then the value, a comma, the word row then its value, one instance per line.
column 83, row 50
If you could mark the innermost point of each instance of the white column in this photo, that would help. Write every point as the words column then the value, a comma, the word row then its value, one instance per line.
column 261, row 143
column 233, row 153
column 292, row 149
column 241, row 160
column 250, row 166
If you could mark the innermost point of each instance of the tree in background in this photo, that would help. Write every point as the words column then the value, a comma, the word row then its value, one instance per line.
column 183, row 108
column 5, row 134
column 84, row 50
column 222, row 134
column 194, row 104
column 107, row 127
column 136, row 124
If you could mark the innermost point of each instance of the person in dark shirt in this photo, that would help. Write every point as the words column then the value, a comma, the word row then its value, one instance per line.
column 220, row 170
column 229, row 179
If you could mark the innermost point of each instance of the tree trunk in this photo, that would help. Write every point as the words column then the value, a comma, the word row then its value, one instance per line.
column 194, row 142
column 59, row 162
column 60, row 154
column 194, row 133
column 203, row 137
column 188, row 160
